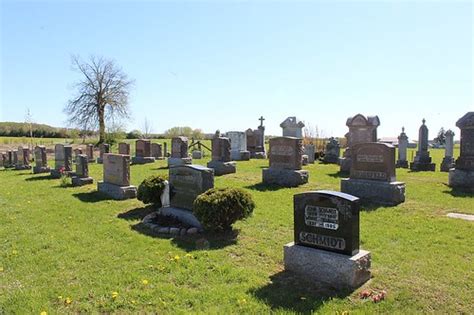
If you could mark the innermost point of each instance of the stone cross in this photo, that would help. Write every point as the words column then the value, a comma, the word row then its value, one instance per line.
column 261, row 121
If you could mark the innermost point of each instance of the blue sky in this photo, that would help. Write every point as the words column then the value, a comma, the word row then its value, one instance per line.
column 220, row 65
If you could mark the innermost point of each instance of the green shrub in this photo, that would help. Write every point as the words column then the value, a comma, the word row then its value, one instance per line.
column 150, row 190
column 218, row 209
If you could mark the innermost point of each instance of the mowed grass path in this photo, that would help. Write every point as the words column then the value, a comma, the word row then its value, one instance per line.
column 70, row 250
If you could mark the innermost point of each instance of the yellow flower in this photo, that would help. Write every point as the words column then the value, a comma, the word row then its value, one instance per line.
column 133, row 302
column 1, row 269
column 189, row 256
column 43, row 312
column 14, row 252
column 176, row 258
column 68, row 300
column 60, row 297
column 114, row 295
column 145, row 281
column 242, row 301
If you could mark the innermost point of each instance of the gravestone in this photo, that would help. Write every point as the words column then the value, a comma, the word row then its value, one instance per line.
column 448, row 160
column 285, row 163
column 143, row 152
column 372, row 177
column 333, row 151
column 304, row 159
column 310, row 151
column 238, row 146
column 116, row 182
column 156, row 151
column 256, row 141
column 62, row 161
column 196, row 154
column 326, row 240
column 90, row 153
column 104, row 148
column 402, row 150
column 179, row 152
column 422, row 161
column 165, row 149
column 186, row 183
column 23, row 159
column 292, row 127
column 81, row 177
column 221, row 161
column 361, row 130
column 77, row 151
column 9, row 159
column 124, row 148
column 15, row 158
column 3, row 159
column 41, row 160
column 461, row 177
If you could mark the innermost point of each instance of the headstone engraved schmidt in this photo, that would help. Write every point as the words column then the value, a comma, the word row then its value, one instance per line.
column 326, row 240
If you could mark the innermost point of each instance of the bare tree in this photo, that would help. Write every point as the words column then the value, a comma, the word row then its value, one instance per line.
column 102, row 94
column 147, row 129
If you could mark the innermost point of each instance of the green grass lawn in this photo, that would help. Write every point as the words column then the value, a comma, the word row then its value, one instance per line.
column 71, row 250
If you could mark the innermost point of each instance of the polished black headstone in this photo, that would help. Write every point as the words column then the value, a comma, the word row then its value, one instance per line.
column 327, row 220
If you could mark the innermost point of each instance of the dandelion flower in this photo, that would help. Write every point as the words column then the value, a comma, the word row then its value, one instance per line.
column 60, row 297
column 176, row 258
column 188, row 255
column 44, row 313
column 68, row 300
column 1, row 269
column 114, row 295
column 145, row 281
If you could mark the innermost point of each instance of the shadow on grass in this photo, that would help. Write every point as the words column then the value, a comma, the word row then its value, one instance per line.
column 203, row 241
column 160, row 168
column 339, row 175
column 137, row 213
column 35, row 178
column 456, row 192
column 264, row 187
column 93, row 196
column 287, row 291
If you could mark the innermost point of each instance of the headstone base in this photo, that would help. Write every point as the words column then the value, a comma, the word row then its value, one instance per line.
column 91, row 161
column 22, row 167
column 447, row 164
column 184, row 215
column 197, row 155
column 57, row 174
column 117, row 192
column 258, row 155
column 330, row 269
column 431, row 167
column 100, row 160
column 461, row 179
column 285, row 178
column 222, row 168
column 345, row 164
column 401, row 164
column 240, row 155
column 384, row 193
column 41, row 169
column 331, row 159
column 179, row 161
column 143, row 159
column 81, row 181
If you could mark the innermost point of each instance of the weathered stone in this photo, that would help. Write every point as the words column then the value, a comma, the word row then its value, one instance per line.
column 220, row 162
column 81, row 177
column 197, row 154
column 90, row 153
column 62, row 161
column 448, row 160
column 292, row 127
column 304, row 159
column 372, row 175
column 310, row 151
column 192, row 231
column 361, row 130
column 184, row 215
column 187, row 182
column 422, row 161
column 331, row 269
column 143, row 152
column 402, row 150
column 284, row 177
column 174, row 231
column 124, row 148
column 23, row 159
column 238, row 146
column 164, row 230
column 116, row 182
column 333, row 151
column 156, row 151
column 256, row 141
column 179, row 152
column 104, row 148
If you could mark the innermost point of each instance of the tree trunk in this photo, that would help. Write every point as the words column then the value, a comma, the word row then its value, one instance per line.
column 101, row 125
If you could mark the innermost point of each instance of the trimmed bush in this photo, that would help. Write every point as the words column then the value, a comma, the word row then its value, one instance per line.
column 217, row 209
column 150, row 190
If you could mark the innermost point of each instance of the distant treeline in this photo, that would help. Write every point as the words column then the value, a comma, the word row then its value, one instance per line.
column 15, row 129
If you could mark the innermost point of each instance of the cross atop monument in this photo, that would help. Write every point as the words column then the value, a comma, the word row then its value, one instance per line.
column 261, row 121
column 424, row 120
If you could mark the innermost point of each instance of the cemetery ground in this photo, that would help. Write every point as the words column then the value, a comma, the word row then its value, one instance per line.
column 70, row 250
